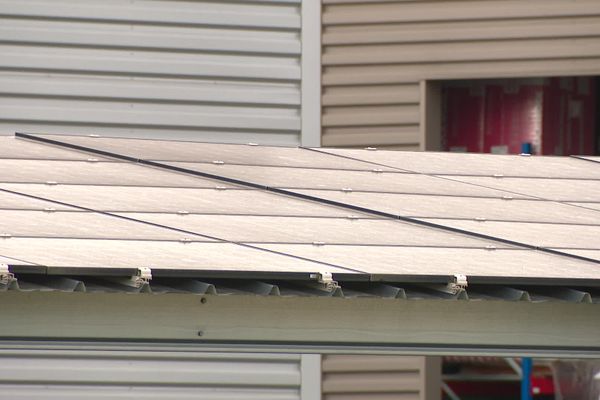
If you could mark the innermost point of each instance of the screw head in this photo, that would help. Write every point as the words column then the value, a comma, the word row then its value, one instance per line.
column 203, row 300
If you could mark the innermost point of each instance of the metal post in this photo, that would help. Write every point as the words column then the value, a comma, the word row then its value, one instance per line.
column 449, row 392
column 526, row 366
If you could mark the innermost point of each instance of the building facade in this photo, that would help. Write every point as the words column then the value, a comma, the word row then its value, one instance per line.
column 346, row 73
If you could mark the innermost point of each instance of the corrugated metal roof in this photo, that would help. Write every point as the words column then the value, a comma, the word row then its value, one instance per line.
column 271, row 220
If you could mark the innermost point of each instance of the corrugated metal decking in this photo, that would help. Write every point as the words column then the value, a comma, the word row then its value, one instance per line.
column 175, row 69
column 376, row 55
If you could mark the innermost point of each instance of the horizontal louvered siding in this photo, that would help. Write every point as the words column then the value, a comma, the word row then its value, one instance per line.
column 376, row 53
column 206, row 70
column 74, row 374
column 372, row 377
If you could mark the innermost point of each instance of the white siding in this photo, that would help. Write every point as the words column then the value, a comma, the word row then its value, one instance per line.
column 94, row 374
column 205, row 70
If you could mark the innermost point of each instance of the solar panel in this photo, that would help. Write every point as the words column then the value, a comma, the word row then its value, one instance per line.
column 341, row 180
column 11, row 147
column 483, row 226
column 475, row 164
column 245, row 154
column 570, row 190
column 180, row 200
column 593, row 254
column 9, row 260
column 588, row 158
column 593, row 206
column 445, row 261
column 94, row 173
column 9, row 201
column 537, row 234
column 462, row 207
column 158, row 255
column 316, row 231
column 83, row 225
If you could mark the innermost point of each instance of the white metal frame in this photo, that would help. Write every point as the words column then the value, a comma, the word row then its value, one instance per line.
column 311, row 73
column 310, row 371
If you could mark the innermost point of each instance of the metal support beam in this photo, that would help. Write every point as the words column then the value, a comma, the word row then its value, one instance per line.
column 515, row 366
column 308, row 324
column 449, row 392
column 311, row 73
column 526, row 367
column 310, row 370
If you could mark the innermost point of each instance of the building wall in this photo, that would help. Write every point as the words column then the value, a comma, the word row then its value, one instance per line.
column 206, row 70
column 117, row 374
column 381, row 59
column 381, row 377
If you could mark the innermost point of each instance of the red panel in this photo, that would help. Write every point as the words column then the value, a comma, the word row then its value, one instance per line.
column 513, row 116
column 554, row 115
column 542, row 385
column 463, row 126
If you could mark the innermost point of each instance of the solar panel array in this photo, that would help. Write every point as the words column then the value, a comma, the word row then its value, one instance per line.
column 88, row 204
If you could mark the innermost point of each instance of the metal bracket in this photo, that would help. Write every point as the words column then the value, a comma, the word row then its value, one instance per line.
column 326, row 279
column 6, row 277
column 143, row 277
column 459, row 283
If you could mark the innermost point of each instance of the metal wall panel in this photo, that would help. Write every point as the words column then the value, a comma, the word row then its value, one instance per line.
column 376, row 54
column 94, row 374
column 348, row 377
column 202, row 70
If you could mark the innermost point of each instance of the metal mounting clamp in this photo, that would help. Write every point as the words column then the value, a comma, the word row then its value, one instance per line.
column 326, row 279
column 6, row 276
column 459, row 283
column 143, row 277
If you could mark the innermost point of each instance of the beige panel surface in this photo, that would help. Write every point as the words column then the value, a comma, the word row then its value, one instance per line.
column 458, row 52
column 371, row 115
column 407, row 73
column 386, row 48
column 459, row 10
column 364, row 95
column 448, row 31
column 381, row 136
column 348, row 377
column 361, row 377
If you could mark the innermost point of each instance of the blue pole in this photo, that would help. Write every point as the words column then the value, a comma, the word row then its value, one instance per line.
column 526, row 366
